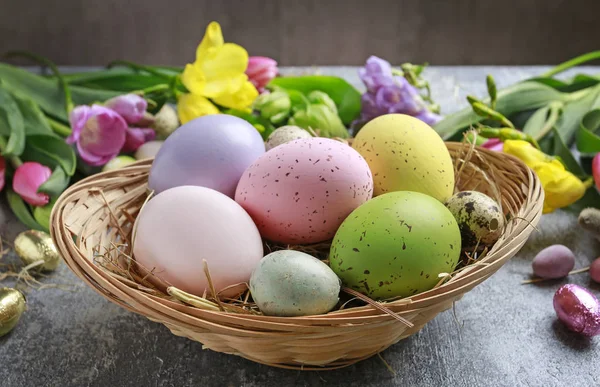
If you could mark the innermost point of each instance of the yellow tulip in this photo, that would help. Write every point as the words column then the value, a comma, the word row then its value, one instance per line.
column 190, row 106
column 561, row 187
column 218, row 73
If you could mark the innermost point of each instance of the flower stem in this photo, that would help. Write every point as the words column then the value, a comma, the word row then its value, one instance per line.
column 152, row 89
column 15, row 161
column 59, row 128
column 47, row 62
column 572, row 63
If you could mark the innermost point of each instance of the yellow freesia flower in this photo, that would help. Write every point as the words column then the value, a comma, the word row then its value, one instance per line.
column 217, row 73
column 242, row 100
column 190, row 106
column 561, row 187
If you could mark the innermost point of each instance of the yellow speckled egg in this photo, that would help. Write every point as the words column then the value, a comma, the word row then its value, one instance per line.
column 406, row 154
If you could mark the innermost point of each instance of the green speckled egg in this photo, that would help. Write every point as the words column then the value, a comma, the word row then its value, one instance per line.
column 406, row 154
column 293, row 283
column 395, row 245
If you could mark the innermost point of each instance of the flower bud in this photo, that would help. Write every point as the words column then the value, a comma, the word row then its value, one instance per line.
column 274, row 106
column 596, row 170
column 260, row 71
column 28, row 178
column 321, row 119
column 320, row 98
column 130, row 106
column 136, row 137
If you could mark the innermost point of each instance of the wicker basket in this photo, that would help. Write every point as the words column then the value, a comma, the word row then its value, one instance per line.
column 97, row 211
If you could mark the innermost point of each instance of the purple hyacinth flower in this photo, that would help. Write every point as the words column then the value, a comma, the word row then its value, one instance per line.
column 376, row 73
column 370, row 106
column 428, row 117
column 388, row 96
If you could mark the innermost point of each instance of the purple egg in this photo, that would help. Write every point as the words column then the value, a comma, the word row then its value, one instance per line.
column 210, row 151
column 578, row 309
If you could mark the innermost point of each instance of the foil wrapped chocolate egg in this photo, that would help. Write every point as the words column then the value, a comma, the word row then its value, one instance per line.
column 35, row 246
column 578, row 309
column 12, row 306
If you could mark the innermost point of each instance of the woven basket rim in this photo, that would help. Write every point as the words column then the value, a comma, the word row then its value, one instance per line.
column 423, row 296
column 188, row 320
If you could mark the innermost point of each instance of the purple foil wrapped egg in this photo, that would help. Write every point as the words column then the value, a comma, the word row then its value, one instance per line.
column 578, row 309
column 210, row 151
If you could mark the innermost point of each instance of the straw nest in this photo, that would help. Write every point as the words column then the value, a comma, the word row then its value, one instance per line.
column 92, row 224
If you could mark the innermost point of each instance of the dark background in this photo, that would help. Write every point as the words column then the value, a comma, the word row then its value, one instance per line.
column 305, row 32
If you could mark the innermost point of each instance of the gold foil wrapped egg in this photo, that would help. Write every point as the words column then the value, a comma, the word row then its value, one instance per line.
column 34, row 246
column 12, row 306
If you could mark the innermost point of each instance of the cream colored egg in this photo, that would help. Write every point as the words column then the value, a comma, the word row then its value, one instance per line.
column 148, row 150
column 182, row 226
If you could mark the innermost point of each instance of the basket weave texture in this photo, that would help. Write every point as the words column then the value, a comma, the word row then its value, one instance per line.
column 95, row 212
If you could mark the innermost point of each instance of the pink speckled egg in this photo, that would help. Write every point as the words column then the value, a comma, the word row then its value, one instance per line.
column 182, row 226
column 301, row 191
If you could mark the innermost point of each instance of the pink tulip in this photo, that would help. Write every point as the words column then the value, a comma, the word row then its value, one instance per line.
column 99, row 133
column 130, row 106
column 596, row 170
column 136, row 137
column 2, row 172
column 28, row 178
column 494, row 144
column 260, row 71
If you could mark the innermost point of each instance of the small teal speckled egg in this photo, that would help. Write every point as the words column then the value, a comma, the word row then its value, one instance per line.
column 293, row 283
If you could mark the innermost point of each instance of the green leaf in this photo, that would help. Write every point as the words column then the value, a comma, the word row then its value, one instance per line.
column 536, row 122
column 42, row 214
column 263, row 125
column 547, row 143
column 120, row 82
column 321, row 119
column 57, row 182
column 562, row 151
column 345, row 96
column 46, row 92
column 590, row 199
column 579, row 82
column 51, row 151
column 299, row 101
column 21, row 210
column 511, row 100
column 33, row 118
column 573, row 113
column 588, row 141
column 11, row 116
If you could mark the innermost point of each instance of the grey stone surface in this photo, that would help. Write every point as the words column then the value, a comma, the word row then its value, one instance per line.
column 503, row 333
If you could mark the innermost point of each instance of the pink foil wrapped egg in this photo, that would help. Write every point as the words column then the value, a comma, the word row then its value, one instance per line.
column 301, row 191
column 182, row 226
column 578, row 309
column 210, row 151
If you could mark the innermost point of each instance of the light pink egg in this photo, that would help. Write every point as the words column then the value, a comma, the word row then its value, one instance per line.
column 301, row 191
column 182, row 226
